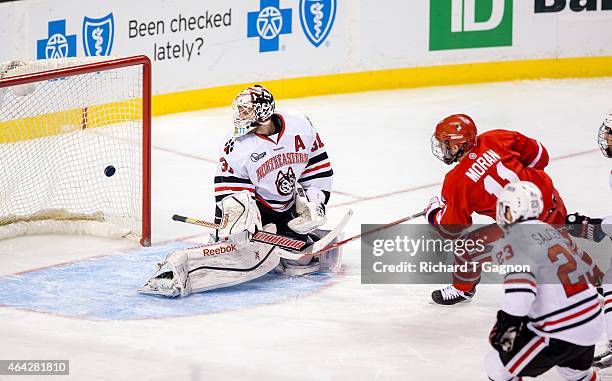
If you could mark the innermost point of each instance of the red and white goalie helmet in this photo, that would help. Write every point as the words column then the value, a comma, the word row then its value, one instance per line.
column 519, row 202
column 604, row 138
column 458, row 130
column 252, row 107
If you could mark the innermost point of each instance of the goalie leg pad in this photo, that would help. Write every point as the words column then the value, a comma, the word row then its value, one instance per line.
column 212, row 266
column 328, row 261
column 214, row 273
column 305, row 266
column 331, row 260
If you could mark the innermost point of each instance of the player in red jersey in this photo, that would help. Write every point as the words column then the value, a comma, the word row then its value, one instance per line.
column 485, row 164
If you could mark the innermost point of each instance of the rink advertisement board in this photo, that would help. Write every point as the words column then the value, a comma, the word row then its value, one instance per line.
column 192, row 44
column 198, row 45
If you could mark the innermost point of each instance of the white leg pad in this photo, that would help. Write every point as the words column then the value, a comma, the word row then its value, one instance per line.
column 211, row 266
column 331, row 261
column 305, row 266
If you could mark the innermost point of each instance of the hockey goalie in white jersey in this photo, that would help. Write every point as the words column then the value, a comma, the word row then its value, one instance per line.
column 550, row 316
column 274, row 176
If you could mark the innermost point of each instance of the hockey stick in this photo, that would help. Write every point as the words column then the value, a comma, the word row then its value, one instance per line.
column 323, row 245
column 298, row 247
column 279, row 240
column 195, row 221
column 329, row 237
column 350, row 239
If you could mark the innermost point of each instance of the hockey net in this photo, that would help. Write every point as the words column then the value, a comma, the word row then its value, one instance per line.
column 75, row 147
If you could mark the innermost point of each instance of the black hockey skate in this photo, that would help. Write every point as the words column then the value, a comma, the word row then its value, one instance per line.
column 449, row 296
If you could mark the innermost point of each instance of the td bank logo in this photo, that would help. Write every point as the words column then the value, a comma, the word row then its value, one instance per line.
column 460, row 24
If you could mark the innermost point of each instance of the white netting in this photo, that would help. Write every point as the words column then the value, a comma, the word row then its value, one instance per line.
column 71, row 148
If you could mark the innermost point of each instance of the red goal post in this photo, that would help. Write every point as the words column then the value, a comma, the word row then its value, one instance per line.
column 75, row 147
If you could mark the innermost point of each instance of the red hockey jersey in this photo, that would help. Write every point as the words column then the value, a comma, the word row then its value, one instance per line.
column 499, row 157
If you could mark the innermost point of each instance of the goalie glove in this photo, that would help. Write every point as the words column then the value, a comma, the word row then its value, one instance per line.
column 505, row 331
column 241, row 218
column 581, row 226
column 310, row 206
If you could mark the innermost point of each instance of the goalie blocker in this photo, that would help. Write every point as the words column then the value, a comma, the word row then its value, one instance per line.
column 235, row 258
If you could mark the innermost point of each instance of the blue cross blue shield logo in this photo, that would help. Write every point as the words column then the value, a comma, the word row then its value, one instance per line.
column 268, row 24
column 98, row 35
column 57, row 44
column 317, row 18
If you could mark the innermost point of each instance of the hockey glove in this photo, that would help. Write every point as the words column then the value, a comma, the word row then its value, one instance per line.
column 434, row 206
column 310, row 207
column 581, row 226
column 505, row 331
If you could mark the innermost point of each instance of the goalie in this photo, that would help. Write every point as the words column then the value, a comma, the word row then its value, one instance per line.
column 274, row 175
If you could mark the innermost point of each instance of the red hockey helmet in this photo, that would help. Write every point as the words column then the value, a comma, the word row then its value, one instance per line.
column 454, row 136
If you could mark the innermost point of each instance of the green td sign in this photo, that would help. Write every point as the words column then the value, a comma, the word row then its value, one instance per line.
column 460, row 24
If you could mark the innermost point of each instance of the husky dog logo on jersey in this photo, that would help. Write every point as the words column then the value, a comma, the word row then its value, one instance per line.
column 285, row 182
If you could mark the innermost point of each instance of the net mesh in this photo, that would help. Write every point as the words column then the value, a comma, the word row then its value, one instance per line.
column 71, row 148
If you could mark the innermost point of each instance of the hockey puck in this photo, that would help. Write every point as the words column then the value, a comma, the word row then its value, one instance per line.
column 109, row 171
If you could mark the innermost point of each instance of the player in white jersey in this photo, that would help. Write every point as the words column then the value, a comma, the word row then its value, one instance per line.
column 268, row 153
column 550, row 314
column 274, row 175
column 596, row 229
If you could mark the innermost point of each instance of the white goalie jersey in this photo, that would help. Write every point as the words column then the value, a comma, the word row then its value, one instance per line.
column 269, row 166
column 553, row 284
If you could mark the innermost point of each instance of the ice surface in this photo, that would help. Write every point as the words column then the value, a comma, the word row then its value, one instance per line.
column 321, row 327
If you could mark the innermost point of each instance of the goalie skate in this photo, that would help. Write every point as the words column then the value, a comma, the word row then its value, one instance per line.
column 161, row 284
column 171, row 278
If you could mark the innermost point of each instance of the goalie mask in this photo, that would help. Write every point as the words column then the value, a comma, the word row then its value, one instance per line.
column 454, row 135
column 604, row 138
column 518, row 202
column 252, row 107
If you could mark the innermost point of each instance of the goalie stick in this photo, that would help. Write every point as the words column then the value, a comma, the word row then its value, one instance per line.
column 278, row 240
column 323, row 245
column 299, row 247
column 316, row 248
column 269, row 238
column 205, row 224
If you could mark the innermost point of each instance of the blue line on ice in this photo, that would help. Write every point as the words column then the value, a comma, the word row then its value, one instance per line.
column 104, row 288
